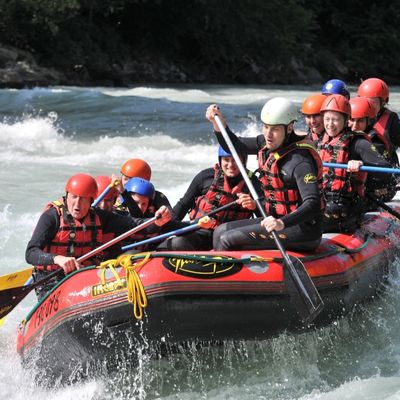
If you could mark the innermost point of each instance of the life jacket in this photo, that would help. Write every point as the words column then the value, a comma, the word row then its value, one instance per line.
column 75, row 238
column 339, row 181
column 381, row 131
column 218, row 194
column 281, row 200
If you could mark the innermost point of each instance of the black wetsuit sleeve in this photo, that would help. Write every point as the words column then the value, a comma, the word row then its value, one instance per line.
column 361, row 149
column 394, row 129
column 131, row 204
column 199, row 186
column 243, row 145
column 42, row 236
column 302, row 166
column 160, row 199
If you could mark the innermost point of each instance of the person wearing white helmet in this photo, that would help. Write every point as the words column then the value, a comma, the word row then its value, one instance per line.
column 291, row 176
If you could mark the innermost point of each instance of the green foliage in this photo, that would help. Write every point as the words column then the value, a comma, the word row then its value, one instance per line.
column 225, row 38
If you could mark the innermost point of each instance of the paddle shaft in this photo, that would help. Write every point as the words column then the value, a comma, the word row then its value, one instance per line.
column 365, row 168
column 117, row 239
column 177, row 232
column 383, row 205
column 104, row 193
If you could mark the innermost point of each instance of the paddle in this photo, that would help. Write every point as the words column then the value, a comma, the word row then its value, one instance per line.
column 11, row 297
column 104, row 193
column 365, row 168
column 300, row 287
column 177, row 232
column 383, row 205
column 14, row 279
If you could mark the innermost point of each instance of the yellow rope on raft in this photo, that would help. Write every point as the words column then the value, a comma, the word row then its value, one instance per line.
column 136, row 293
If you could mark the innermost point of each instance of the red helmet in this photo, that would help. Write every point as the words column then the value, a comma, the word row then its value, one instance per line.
column 374, row 87
column 361, row 107
column 136, row 168
column 312, row 104
column 102, row 183
column 82, row 185
column 336, row 102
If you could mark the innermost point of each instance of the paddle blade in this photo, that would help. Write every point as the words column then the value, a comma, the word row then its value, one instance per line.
column 10, row 298
column 303, row 293
column 15, row 279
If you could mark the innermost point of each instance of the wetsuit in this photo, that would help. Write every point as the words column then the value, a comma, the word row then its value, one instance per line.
column 344, row 208
column 303, row 226
column 202, row 239
column 130, row 205
column 47, row 228
column 385, row 135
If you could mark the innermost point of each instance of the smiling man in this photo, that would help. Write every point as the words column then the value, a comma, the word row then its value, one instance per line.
column 210, row 189
column 291, row 177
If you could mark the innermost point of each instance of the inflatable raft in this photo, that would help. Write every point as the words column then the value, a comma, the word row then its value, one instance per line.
column 96, row 313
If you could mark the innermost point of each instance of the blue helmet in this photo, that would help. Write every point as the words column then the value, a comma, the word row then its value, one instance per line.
column 335, row 86
column 223, row 153
column 140, row 186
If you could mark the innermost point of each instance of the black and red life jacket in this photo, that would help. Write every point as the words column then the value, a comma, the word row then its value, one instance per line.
column 220, row 193
column 336, row 150
column 75, row 238
column 381, row 128
column 281, row 200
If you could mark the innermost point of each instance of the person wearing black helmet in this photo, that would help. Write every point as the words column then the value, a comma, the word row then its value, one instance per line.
column 210, row 189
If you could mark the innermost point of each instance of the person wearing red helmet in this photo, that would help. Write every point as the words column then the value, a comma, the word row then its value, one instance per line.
column 137, row 168
column 69, row 228
column 387, row 123
column 108, row 201
column 210, row 189
column 363, row 113
column 311, row 109
column 344, row 189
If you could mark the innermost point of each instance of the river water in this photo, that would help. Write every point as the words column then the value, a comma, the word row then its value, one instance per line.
column 48, row 134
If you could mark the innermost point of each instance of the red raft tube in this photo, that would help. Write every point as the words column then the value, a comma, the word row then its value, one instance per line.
column 176, row 297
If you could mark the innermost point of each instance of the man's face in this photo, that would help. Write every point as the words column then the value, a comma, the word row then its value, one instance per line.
column 274, row 136
column 315, row 123
column 78, row 206
column 229, row 167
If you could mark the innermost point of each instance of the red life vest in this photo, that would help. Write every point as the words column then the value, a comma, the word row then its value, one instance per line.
column 381, row 127
column 336, row 150
column 281, row 200
column 75, row 238
column 220, row 193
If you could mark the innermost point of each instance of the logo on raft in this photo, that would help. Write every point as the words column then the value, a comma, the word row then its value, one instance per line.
column 109, row 287
column 208, row 268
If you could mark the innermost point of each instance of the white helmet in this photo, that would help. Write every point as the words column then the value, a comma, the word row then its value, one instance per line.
column 279, row 111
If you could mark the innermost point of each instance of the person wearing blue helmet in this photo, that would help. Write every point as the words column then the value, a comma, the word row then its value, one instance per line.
column 140, row 192
column 210, row 189
column 335, row 86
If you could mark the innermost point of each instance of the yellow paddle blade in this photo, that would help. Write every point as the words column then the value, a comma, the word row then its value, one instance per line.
column 2, row 321
column 15, row 279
